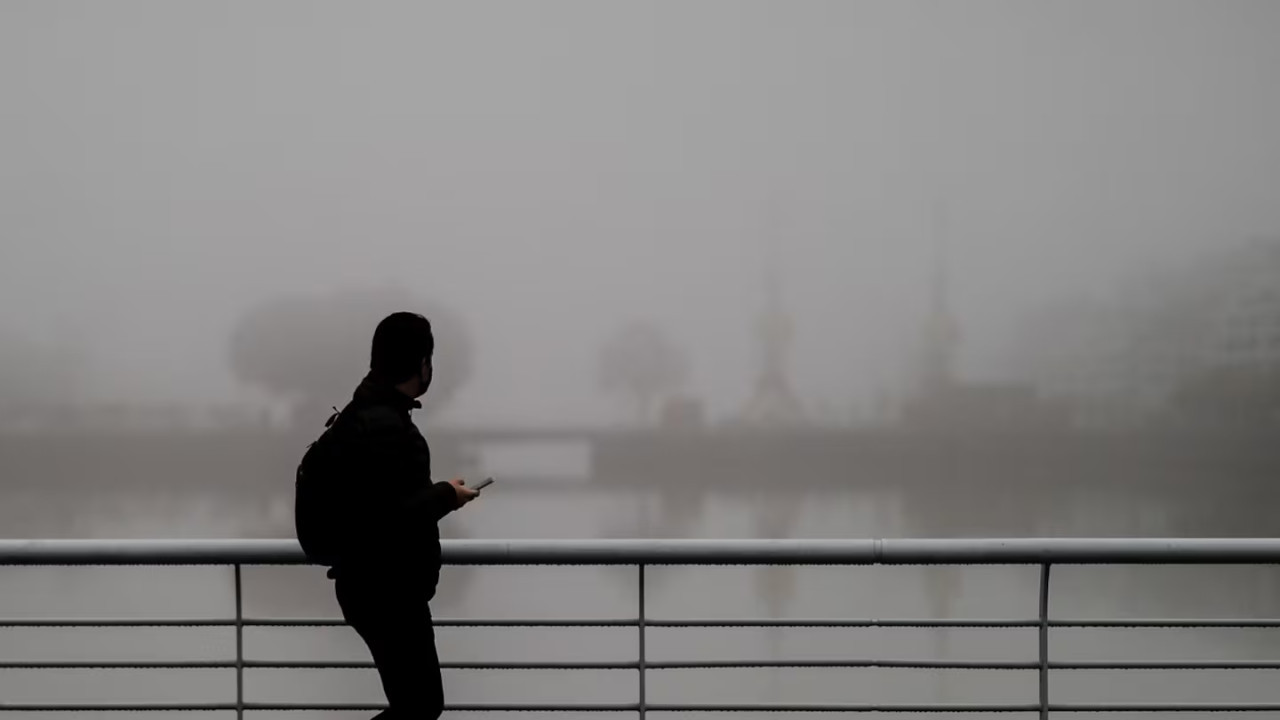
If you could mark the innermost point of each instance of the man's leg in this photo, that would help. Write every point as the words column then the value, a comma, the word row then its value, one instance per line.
column 409, row 667
column 401, row 640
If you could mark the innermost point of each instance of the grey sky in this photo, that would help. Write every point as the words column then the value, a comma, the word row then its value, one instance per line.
column 554, row 168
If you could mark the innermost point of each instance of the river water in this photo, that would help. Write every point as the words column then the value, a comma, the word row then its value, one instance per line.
column 967, row 592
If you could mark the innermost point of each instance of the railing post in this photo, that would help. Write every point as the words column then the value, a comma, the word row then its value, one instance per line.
column 641, row 627
column 1044, row 641
column 239, row 646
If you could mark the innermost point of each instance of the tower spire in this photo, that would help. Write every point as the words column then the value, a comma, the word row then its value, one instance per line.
column 941, row 330
column 941, row 259
column 773, row 401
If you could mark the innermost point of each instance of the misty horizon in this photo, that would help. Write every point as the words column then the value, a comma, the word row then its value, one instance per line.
column 551, row 171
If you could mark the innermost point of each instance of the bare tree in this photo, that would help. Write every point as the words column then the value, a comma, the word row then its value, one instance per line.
column 36, row 376
column 642, row 361
column 312, row 350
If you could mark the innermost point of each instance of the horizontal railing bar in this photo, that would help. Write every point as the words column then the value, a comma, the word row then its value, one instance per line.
column 661, row 707
column 842, row 707
column 536, row 622
column 309, row 622
column 958, row 708
column 836, row 663
column 1167, row 707
column 1187, row 623
column 540, row 622
column 651, row 707
column 835, row 623
column 113, row 622
column 652, row 665
column 117, row 665
column 958, row 623
column 514, row 665
column 460, row 622
column 676, row 552
column 538, row 665
column 124, row 707
column 1169, row 665
column 459, row 707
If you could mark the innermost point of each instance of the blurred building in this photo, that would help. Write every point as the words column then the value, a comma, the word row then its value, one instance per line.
column 682, row 412
column 773, row 402
column 940, row 400
column 138, row 419
column 1246, row 329
column 1124, row 363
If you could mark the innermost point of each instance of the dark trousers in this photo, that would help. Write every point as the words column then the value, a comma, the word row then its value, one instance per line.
column 395, row 622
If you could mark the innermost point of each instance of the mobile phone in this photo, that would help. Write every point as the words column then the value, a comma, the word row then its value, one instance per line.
column 482, row 484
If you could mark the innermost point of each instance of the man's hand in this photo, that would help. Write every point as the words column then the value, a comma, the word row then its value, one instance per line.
column 464, row 493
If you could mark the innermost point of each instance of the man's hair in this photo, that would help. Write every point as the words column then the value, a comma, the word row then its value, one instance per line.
column 400, row 343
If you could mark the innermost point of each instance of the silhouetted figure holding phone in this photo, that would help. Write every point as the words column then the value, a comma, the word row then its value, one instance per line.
column 368, row 508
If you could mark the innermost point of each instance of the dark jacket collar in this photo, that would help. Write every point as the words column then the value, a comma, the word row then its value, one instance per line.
column 377, row 391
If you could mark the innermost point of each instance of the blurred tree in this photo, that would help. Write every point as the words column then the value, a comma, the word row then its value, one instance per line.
column 642, row 361
column 36, row 376
column 312, row 350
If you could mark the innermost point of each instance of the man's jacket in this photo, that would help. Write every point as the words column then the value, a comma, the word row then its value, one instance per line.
column 392, row 503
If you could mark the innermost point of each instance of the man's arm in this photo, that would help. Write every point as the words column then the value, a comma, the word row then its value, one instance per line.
column 434, row 501
column 401, row 469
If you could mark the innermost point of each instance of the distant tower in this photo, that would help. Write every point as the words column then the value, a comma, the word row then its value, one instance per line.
column 773, row 402
column 941, row 330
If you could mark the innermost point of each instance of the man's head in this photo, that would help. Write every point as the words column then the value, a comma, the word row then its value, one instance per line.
column 402, row 349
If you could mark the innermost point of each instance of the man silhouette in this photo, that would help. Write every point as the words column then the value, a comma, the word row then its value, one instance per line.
column 386, row 578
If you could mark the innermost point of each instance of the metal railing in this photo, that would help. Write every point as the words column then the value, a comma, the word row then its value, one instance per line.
column 642, row 554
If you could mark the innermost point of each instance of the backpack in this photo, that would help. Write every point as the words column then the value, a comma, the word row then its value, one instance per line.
column 319, row 511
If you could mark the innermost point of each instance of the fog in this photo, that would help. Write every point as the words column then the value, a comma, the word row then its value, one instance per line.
column 698, row 269
column 552, row 169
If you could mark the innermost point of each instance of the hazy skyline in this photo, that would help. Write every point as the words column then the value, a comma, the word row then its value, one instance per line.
column 553, row 169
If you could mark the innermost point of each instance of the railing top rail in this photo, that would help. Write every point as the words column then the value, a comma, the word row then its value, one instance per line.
column 675, row 552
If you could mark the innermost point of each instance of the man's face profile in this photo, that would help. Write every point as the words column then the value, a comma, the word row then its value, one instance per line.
column 426, row 373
